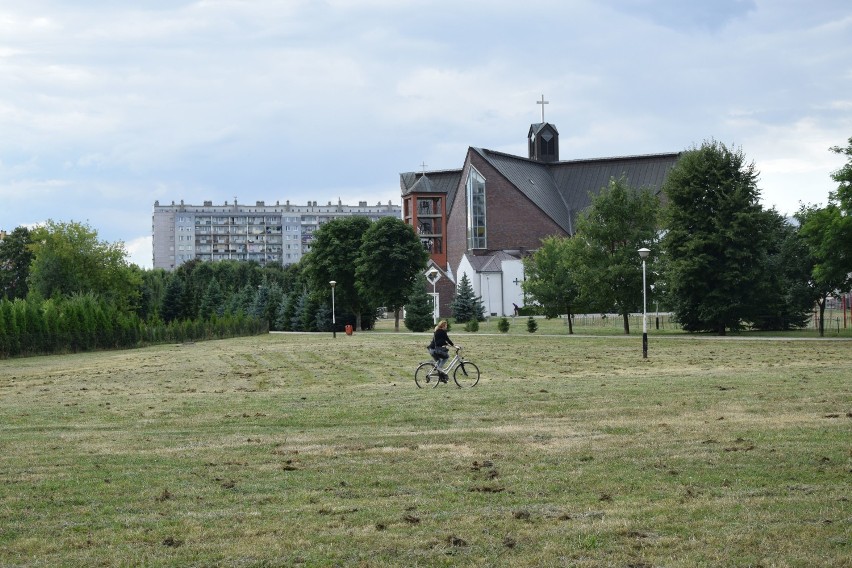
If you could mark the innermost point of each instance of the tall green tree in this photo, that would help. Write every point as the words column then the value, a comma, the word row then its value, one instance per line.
column 260, row 303
column 273, row 305
column 824, row 230
column 843, row 198
column 390, row 258
column 550, row 279
column 246, row 274
column 843, row 177
column 334, row 257
column 300, row 308
column 241, row 301
column 288, row 312
column 68, row 258
column 466, row 305
column 266, row 302
column 603, row 252
column 282, row 318
column 322, row 318
column 172, row 306
column 293, row 284
column 151, row 292
column 15, row 260
column 196, row 275
column 10, row 331
column 787, row 298
column 212, row 303
column 311, row 309
column 715, row 241
column 419, row 309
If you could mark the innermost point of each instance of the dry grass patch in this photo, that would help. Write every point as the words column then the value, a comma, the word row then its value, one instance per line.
column 303, row 450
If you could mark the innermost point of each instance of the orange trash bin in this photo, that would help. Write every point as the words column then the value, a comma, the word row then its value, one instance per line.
column 348, row 329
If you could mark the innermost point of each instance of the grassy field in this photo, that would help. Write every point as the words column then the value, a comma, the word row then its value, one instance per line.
column 303, row 450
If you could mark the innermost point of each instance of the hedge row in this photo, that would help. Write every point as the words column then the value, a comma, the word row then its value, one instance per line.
column 85, row 323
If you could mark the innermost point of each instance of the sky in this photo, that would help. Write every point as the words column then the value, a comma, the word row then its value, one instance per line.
column 106, row 107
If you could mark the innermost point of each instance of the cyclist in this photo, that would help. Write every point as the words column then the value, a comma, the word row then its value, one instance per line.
column 438, row 348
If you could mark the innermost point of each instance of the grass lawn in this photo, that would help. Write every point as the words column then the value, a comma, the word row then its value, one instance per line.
column 303, row 450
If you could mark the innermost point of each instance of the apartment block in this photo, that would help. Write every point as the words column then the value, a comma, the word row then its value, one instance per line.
column 280, row 233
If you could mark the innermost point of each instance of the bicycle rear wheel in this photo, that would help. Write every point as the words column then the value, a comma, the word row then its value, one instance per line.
column 426, row 377
column 466, row 374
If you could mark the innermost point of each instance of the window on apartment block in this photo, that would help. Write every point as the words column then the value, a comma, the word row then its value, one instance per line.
column 476, row 233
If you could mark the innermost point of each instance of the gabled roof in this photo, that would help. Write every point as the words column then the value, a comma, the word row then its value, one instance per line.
column 641, row 172
column 534, row 180
column 491, row 262
column 538, row 127
column 560, row 189
column 563, row 189
column 442, row 181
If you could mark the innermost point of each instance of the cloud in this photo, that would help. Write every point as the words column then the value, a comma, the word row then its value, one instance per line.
column 106, row 107
column 140, row 251
column 687, row 16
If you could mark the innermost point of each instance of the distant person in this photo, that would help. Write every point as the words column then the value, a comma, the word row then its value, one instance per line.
column 438, row 348
column 516, row 308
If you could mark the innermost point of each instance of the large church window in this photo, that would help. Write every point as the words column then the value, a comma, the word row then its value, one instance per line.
column 476, row 233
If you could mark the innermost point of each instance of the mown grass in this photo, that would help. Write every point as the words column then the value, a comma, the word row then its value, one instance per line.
column 300, row 449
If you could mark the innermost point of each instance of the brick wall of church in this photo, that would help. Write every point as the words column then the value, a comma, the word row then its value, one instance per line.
column 513, row 221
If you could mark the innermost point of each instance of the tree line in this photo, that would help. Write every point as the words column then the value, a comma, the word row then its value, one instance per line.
column 65, row 290
column 719, row 261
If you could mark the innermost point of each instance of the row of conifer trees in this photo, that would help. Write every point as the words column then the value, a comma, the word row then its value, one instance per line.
column 86, row 323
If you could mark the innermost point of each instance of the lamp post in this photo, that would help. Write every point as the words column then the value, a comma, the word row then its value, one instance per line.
column 643, row 253
column 333, row 318
column 433, row 275
column 657, row 304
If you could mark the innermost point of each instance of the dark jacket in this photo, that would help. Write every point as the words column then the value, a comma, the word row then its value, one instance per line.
column 441, row 338
column 438, row 345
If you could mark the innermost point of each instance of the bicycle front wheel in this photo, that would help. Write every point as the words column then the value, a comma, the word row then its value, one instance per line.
column 466, row 374
column 426, row 377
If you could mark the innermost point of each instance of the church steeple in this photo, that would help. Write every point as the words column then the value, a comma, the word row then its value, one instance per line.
column 543, row 139
column 543, row 142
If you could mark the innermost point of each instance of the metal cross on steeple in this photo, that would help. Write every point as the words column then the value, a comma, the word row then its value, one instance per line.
column 423, row 165
column 542, row 102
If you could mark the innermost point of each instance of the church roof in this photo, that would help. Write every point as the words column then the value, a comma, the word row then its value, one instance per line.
column 560, row 189
column 563, row 189
column 491, row 262
column 443, row 181
column 539, row 126
column 534, row 180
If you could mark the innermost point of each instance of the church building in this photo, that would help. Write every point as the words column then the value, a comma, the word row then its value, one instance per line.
column 482, row 219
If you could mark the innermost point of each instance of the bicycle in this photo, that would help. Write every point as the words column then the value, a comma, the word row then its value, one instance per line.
column 465, row 373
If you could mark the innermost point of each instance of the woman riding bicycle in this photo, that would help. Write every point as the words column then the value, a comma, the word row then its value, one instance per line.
column 438, row 347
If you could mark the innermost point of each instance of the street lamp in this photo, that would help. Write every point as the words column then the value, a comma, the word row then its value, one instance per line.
column 657, row 304
column 643, row 252
column 433, row 275
column 333, row 318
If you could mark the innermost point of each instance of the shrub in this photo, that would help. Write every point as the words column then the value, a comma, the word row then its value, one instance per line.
column 503, row 325
column 471, row 326
column 532, row 325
